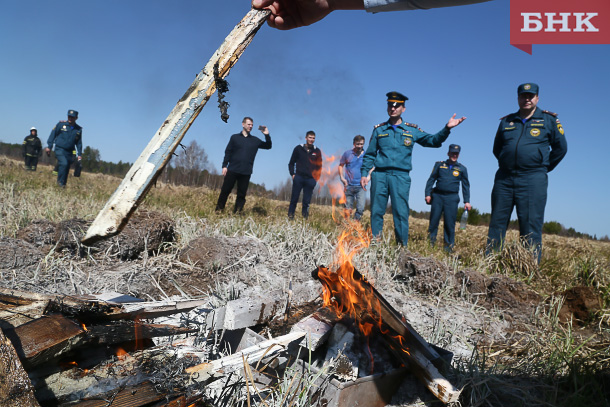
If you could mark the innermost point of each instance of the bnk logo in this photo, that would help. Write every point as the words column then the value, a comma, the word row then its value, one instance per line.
column 559, row 22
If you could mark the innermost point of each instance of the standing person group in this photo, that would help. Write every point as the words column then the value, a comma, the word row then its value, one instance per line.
column 32, row 149
column 66, row 136
column 238, row 163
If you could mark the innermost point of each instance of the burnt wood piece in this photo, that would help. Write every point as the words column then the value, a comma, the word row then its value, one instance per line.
column 12, row 316
column 15, row 386
column 123, row 331
column 135, row 396
column 391, row 317
column 412, row 349
column 46, row 338
column 317, row 328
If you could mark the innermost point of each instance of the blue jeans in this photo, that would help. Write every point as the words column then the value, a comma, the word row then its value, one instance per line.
column 355, row 193
column 307, row 185
column 64, row 160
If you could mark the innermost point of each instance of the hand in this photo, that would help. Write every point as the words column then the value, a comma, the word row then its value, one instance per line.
column 79, row 158
column 289, row 14
column 224, row 172
column 264, row 130
column 48, row 151
column 467, row 206
column 364, row 181
column 344, row 182
column 454, row 122
column 428, row 199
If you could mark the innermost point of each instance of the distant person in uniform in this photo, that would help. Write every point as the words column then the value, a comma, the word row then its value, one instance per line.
column 389, row 151
column 528, row 145
column 32, row 149
column 238, row 163
column 444, row 196
column 289, row 14
column 305, row 168
column 349, row 173
column 66, row 136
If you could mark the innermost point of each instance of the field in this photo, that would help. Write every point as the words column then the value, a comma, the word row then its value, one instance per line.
column 515, row 341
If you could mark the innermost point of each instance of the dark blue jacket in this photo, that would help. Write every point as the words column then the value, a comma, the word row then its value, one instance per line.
column 241, row 152
column 538, row 144
column 67, row 137
column 306, row 162
column 448, row 177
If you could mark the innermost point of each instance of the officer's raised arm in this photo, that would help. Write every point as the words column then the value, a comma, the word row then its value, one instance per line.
column 453, row 122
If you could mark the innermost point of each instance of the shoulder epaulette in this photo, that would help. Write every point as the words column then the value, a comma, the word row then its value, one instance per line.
column 551, row 113
column 380, row 124
column 504, row 117
column 63, row 121
column 411, row 125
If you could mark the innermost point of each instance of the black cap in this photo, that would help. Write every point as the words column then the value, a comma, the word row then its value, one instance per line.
column 396, row 98
column 454, row 148
column 527, row 88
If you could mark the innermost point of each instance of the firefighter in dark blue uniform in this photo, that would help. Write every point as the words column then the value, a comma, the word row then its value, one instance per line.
column 67, row 136
column 32, row 149
column 444, row 197
column 528, row 144
column 389, row 152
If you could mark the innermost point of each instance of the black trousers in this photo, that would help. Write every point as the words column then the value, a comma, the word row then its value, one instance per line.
column 242, row 180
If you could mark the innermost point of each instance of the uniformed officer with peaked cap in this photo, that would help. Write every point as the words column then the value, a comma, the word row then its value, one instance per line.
column 389, row 152
column 529, row 143
column 67, row 136
column 444, row 196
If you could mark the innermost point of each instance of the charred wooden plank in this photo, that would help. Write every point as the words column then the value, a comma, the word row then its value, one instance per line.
column 124, row 331
column 13, row 316
column 46, row 338
column 134, row 396
column 15, row 386
column 141, row 176
column 317, row 328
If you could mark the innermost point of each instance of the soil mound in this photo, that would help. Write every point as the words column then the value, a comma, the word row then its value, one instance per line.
column 147, row 231
column 580, row 305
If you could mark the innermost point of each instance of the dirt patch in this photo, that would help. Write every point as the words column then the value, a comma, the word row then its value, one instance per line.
column 430, row 277
column 146, row 231
column 580, row 305
column 16, row 254
column 219, row 253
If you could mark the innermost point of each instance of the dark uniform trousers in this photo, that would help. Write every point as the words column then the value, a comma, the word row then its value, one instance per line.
column 447, row 204
column 64, row 161
column 31, row 162
column 525, row 190
column 230, row 179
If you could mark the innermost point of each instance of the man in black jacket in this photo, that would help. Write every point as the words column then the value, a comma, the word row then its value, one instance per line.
column 238, row 162
column 305, row 168
column 32, row 149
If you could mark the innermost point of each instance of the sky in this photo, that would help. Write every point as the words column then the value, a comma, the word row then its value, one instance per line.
column 124, row 65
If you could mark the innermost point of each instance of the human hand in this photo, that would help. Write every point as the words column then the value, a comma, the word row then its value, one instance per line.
column 454, row 122
column 467, row 206
column 344, row 182
column 428, row 199
column 79, row 158
column 289, row 14
column 364, row 181
column 48, row 151
column 264, row 130
column 224, row 171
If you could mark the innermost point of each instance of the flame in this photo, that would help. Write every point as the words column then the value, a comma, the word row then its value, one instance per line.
column 329, row 177
column 121, row 353
column 348, row 292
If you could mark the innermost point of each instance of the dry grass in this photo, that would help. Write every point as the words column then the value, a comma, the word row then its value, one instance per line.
column 552, row 365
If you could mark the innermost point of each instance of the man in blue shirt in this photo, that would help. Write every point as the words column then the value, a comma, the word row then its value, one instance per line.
column 67, row 137
column 390, row 152
column 529, row 144
column 238, row 163
column 349, row 172
column 444, row 196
